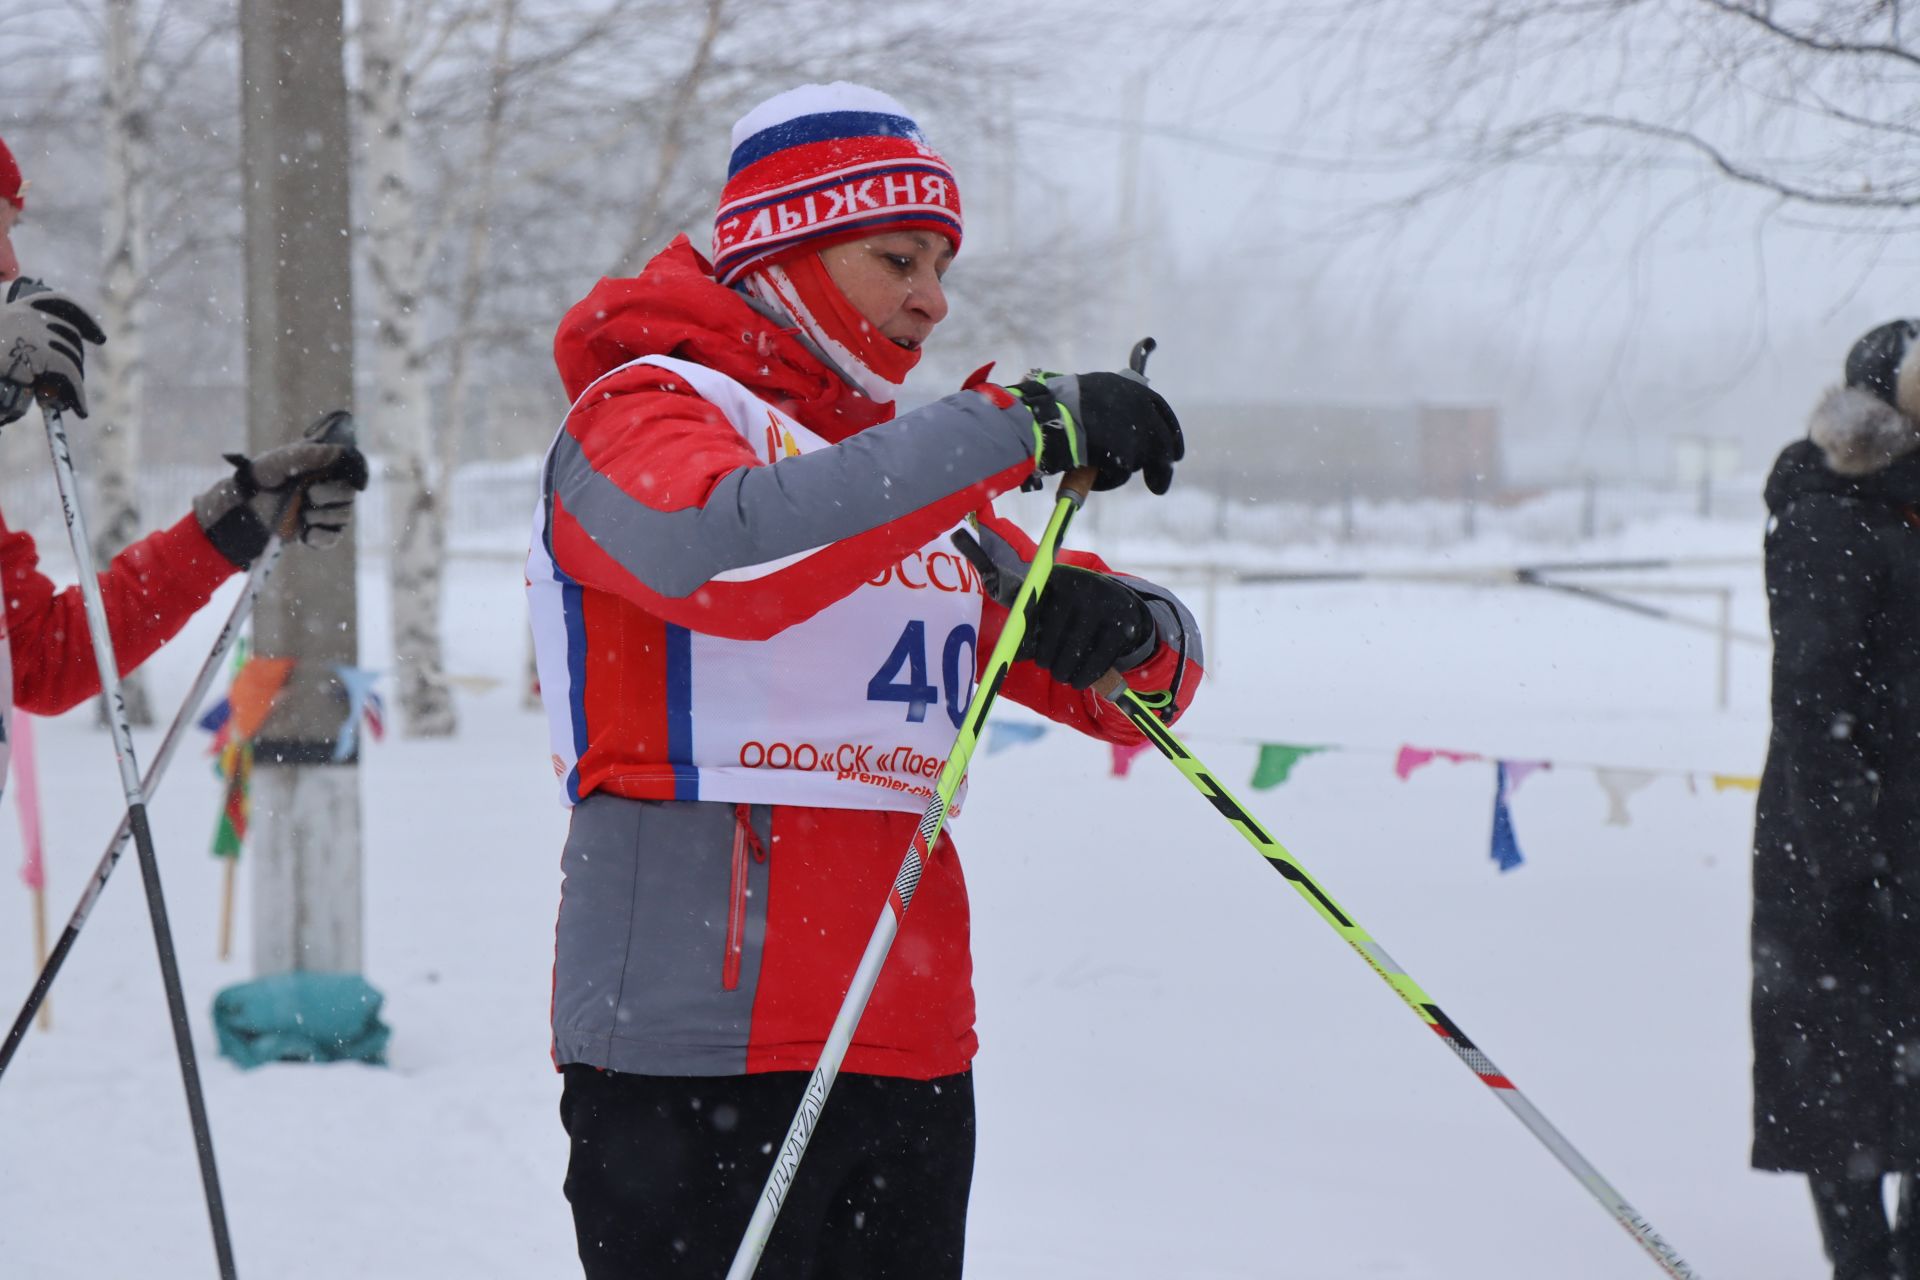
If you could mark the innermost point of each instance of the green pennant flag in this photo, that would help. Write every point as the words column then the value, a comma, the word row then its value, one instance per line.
column 1276, row 763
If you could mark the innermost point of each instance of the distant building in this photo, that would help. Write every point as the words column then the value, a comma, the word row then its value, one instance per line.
column 1322, row 452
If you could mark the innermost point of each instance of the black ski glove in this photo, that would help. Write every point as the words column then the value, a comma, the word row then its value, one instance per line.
column 42, row 350
column 1108, row 421
column 238, row 512
column 1086, row 624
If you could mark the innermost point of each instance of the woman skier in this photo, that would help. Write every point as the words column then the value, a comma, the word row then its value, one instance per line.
column 755, row 642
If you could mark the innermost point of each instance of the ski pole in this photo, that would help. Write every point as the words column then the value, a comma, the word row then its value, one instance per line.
column 156, row 770
column 1113, row 687
column 336, row 428
column 136, row 800
column 1074, row 487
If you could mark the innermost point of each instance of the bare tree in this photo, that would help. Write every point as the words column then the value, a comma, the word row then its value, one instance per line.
column 1815, row 104
column 128, row 128
column 396, row 270
column 97, row 75
column 578, row 143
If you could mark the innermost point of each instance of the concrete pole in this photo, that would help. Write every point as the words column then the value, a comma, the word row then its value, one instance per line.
column 295, row 150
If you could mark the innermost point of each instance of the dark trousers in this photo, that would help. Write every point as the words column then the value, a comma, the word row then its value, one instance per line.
column 665, row 1171
column 1860, row 1241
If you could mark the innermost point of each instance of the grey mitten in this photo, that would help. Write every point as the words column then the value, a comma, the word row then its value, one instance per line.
column 42, row 350
column 306, row 489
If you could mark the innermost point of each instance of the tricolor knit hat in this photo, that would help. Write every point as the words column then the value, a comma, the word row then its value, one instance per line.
column 13, row 189
column 827, row 162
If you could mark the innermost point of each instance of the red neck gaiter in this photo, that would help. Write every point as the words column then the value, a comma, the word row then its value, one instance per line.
column 802, row 288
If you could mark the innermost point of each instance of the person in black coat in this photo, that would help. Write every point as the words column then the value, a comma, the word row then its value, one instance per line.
column 1836, row 886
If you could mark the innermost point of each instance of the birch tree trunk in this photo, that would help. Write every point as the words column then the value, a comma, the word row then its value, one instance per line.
column 474, row 267
column 114, row 427
column 416, row 485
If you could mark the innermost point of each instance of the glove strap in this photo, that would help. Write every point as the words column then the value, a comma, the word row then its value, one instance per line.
column 236, row 530
column 1056, row 436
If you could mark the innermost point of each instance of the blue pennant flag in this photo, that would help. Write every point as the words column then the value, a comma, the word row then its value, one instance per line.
column 1506, row 849
column 359, row 687
column 1002, row 734
column 217, row 716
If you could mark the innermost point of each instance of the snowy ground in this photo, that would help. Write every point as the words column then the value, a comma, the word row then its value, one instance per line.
column 1183, row 1073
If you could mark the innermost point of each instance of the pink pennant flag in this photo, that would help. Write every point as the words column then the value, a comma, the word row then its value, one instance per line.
column 26, row 795
column 1518, row 771
column 1411, row 758
column 1123, row 756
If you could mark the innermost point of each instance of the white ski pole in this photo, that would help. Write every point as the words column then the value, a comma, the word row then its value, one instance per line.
column 136, row 800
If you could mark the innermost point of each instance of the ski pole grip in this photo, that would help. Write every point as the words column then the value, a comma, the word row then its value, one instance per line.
column 1137, row 358
column 336, row 426
column 1079, row 483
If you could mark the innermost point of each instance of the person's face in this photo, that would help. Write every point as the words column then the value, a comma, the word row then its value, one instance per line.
column 894, row 281
column 9, row 264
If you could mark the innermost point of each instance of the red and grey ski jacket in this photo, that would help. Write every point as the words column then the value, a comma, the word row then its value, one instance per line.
column 46, row 653
column 706, row 927
column 150, row 590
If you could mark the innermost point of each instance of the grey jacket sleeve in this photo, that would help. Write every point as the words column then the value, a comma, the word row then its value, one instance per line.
column 759, row 518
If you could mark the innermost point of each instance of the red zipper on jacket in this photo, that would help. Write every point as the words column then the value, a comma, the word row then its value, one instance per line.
column 746, row 844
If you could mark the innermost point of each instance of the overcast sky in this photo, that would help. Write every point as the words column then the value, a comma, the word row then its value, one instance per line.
column 1597, row 336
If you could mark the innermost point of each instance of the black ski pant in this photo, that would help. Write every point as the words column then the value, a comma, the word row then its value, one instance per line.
column 1860, row 1241
column 665, row 1171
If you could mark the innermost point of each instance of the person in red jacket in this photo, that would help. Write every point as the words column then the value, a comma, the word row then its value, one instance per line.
column 153, row 587
column 756, row 640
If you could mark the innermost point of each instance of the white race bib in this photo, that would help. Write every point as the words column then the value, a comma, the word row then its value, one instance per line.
column 854, row 708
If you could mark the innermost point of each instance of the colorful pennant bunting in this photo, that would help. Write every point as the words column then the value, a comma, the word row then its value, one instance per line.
column 234, row 722
column 1124, row 756
column 1004, row 734
column 1276, row 763
column 1506, row 847
column 1277, row 760
column 359, row 685
column 1620, row 785
column 1411, row 758
column 26, row 798
column 230, row 834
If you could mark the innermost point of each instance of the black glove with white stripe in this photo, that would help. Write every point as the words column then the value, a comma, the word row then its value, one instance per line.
column 43, row 350
column 320, row 477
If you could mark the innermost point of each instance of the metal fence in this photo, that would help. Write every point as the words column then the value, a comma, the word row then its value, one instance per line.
column 492, row 506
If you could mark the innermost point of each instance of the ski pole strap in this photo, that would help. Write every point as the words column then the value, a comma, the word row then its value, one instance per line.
column 1203, row 779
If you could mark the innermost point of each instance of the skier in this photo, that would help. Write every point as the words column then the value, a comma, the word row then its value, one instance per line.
column 154, row 586
column 1836, row 955
column 756, row 642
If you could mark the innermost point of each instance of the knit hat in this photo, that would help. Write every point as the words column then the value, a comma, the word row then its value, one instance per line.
column 1884, row 359
column 13, row 188
column 823, row 163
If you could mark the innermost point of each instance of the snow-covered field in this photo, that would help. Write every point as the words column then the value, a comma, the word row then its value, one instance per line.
column 1183, row 1073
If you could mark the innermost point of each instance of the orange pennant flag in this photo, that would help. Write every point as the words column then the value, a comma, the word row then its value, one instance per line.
column 254, row 692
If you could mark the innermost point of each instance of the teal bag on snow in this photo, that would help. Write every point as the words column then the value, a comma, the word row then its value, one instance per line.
column 301, row 1017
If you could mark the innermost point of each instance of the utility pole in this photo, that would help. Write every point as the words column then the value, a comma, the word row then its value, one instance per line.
column 295, row 149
